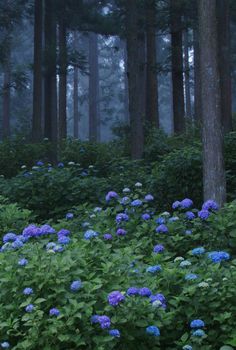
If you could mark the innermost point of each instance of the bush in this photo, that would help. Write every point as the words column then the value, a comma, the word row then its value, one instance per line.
column 41, row 307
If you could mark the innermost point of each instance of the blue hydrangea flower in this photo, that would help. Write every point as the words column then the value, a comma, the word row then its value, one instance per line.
column 176, row 205
column 189, row 215
column 186, row 203
column 203, row 214
column 217, row 257
column 29, row 308
column 188, row 232
column 50, row 245
column 23, row 262
column 158, row 297
column 160, row 220
column 124, row 200
column 191, row 276
column 75, row 286
column 54, row 312
column 114, row 298
column 162, row 229
column 210, row 205
column 40, row 163
column 104, row 321
column 145, row 292
column 9, row 237
column 6, row 247
column 94, row 319
column 199, row 333
column 149, row 198
column 159, row 248
column 17, row 244
column 136, row 203
column 197, row 324
column 63, row 232
column 107, row 236
column 153, row 269
column 173, row 219
column 22, row 238
column 63, row 240
column 111, row 195
column 5, row 345
column 58, row 248
column 121, row 232
column 198, row 251
column 31, row 231
column 114, row 333
column 187, row 347
column 121, row 217
column 185, row 263
column 69, row 216
column 146, row 216
column 132, row 291
column 28, row 291
column 47, row 229
column 90, row 234
column 153, row 330
column 60, row 165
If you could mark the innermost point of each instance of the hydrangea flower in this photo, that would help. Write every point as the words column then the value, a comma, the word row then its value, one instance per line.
column 114, row 298
column 39, row 163
column 210, row 205
column 136, row 203
column 23, row 262
column 126, row 190
column 54, row 312
column 149, row 198
column 145, row 292
column 104, row 321
column 176, row 205
column 190, row 215
column 185, row 263
column 138, row 184
column 114, row 333
column 132, row 291
column 5, row 345
column 58, row 248
column 50, row 245
column 121, row 232
column 121, row 217
column 97, row 210
column 191, row 276
column 63, row 232
column 28, row 291
column 186, row 203
column 111, row 195
column 158, row 298
column 188, row 232
column 197, row 324
column 203, row 214
column 153, row 269
column 187, row 347
column 203, row 285
column 199, row 333
column 75, row 286
column 124, row 200
column 17, row 244
column 153, row 330
column 9, row 237
column 173, row 219
column 107, row 236
column 47, row 229
column 63, row 240
column 198, row 251
column 69, row 216
column 29, row 308
column 162, row 229
column 159, row 248
column 160, row 220
column 60, row 165
column 95, row 319
column 90, row 234
column 31, row 231
column 217, row 257
column 146, row 216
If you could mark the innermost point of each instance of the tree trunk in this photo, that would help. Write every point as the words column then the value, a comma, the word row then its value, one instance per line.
column 197, row 77
column 224, row 60
column 126, row 86
column 142, row 72
column 152, row 114
column 133, row 73
column 177, row 68
column 213, row 163
column 50, row 78
column 76, row 92
column 94, row 122
column 6, row 92
column 62, row 79
column 37, row 74
column 188, row 109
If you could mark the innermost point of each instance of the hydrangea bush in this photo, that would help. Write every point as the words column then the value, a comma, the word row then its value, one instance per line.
column 119, row 276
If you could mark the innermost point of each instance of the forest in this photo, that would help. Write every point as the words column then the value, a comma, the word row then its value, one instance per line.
column 118, row 174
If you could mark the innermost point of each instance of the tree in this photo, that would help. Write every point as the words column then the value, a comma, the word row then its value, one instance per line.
column 188, row 109
column 214, row 183
column 37, row 72
column 76, row 91
column 6, row 90
column 177, row 67
column 197, row 76
column 152, row 114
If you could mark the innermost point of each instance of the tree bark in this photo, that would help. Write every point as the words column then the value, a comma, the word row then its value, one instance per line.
column 126, row 85
column 62, row 78
column 214, row 183
column 6, row 92
column 133, row 73
column 188, row 109
column 37, row 72
column 177, row 68
column 197, row 77
column 142, row 72
column 94, row 120
column 224, row 60
column 152, row 114
column 76, row 93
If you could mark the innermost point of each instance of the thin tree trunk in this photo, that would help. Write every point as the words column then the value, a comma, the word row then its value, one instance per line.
column 37, row 78
column 152, row 114
column 126, row 87
column 188, row 109
column 212, row 137
column 62, row 79
column 94, row 122
column 197, row 77
column 76, row 92
column 177, row 68
column 142, row 72
column 224, row 66
column 6, row 93
column 133, row 73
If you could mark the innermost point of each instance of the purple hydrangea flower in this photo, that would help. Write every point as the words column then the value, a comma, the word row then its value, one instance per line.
column 114, row 298
column 54, row 312
column 159, row 248
column 158, row 297
column 190, row 215
column 111, row 195
column 107, row 236
column 145, row 292
column 121, row 217
column 31, row 231
column 114, row 333
column 9, row 237
column 23, row 262
column 63, row 240
column 121, row 232
column 146, row 216
column 132, row 291
column 203, row 214
column 39, row 163
column 176, row 205
column 162, row 229
column 210, row 205
column 104, row 321
column 47, row 229
column 29, row 308
column 63, row 232
column 186, row 203
column 28, row 291
column 197, row 324
column 149, row 198
column 75, row 286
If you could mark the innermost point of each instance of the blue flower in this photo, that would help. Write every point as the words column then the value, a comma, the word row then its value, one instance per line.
column 132, row 291
column 28, row 291
column 23, row 262
column 145, row 292
column 190, row 215
column 107, row 236
column 159, row 248
column 186, row 203
column 17, row 244
column 160, row 221
column 121, row 232
column 75, row 286
column 203, row 214
column 158, row 298
column 153, row 330
column 54, row 312
column 136, row 203
column 63, row 240
column 121, row 217
column 90, row 234
column 39, row 163
column 9, row 237
column 111, row 195
column 199, row 333
column 63, row 232
column 5, row 345
column 162, row 229
column 95, row 319
column 176, row 205
column 60, row 165
column 58, row 248
column 197, row 324
column 124, row 200
column 114, row 298
column 29, row 308
column 188, row 232
column 187, row 347
column 104, row 321
column 114, row 333
column 173, row 219
column 149, row 198
column 50, row 245
column 146, row 216
column 210, row 205
column 153, row 269
column 217, row 257
column 191, row 276
column 47, row 229
column 198, row 251
column 69, row 216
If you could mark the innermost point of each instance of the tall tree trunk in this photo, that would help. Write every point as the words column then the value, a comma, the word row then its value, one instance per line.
column 152, row 114
column 37, row 82
column 94, row 122
column 135, row 88
column 62, row 78
column 197, row 77
column 50, row 78
column 177, row 68
column 6, row 92
column 76, row 92
column 223, row 27
column 213, row 162
column 142, row 72
column 126, row 85
column 188, row 109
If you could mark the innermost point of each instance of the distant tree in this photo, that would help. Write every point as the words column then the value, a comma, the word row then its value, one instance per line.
column 188, row 109
column 214, row 182
column 197, row 76
column 6, row 90
column 75, row 91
